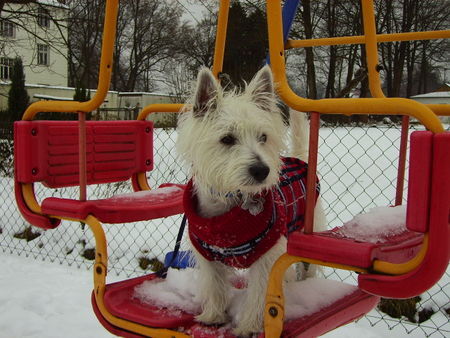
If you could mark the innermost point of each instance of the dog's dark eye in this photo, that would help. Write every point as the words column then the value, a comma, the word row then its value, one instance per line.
column 263, row 138
column 228, row 140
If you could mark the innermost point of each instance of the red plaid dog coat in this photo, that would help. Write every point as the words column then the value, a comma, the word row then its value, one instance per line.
column 238, row 238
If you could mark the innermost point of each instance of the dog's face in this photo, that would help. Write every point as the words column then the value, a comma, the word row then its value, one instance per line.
column 233, row 141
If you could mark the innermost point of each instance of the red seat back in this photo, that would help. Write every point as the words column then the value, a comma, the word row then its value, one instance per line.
column 419, row 181
column 47, row 151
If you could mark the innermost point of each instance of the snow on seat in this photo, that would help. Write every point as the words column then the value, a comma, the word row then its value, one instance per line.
column 379, row 234
column 137, row 206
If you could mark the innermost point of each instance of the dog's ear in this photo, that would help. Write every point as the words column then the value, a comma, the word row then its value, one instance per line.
column 205, row 92
column 261, row 88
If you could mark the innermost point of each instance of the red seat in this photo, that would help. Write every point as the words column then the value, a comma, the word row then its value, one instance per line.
column 138, row 206
column 330, row 246
column 427, row 213
column 47, row 152
column 120, row 302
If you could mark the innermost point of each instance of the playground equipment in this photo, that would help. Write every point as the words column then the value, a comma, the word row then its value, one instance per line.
column 70, row 153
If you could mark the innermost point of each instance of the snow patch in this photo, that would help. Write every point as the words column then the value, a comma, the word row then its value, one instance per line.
column 180, row 289
column 159, row 194
column 376, row 225
column 177, row 292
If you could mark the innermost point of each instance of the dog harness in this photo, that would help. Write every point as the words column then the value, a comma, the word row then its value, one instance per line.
column 238, row 238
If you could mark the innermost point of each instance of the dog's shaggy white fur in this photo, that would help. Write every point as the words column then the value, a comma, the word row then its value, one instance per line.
column 232, row 143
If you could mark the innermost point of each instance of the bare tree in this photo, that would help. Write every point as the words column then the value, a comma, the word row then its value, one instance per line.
column 197, row 41
column 85, row 33
column 408, row 57
column 311, row 69
column 153, row 29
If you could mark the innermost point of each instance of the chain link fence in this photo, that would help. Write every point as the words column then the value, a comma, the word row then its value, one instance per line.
column 357, row 167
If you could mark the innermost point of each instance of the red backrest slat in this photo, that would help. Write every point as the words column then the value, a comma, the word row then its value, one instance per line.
column 420, row 160
column 47, row 151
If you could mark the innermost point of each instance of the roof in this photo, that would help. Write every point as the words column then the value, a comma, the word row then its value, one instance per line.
column 54, row 3
column 56, row 98
column 144, row 93
column 432, row 94
column 51, row 97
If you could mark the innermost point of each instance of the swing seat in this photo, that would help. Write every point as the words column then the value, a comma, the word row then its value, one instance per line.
column 120, row 302
column 47, row 152
column 414, row 260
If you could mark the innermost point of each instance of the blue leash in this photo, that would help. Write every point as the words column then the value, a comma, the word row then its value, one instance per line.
column 172, row 258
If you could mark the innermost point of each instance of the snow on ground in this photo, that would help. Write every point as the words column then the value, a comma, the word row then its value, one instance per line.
column 44, row 300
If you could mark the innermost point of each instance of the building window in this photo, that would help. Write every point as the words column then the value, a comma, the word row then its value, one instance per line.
column 43, row 57
column 6, row 65
column 43, row 18
column 7, row 29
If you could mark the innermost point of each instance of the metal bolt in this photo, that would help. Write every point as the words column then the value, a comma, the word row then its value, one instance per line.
column 34, row 171
column 147, row 130
column 148, row 162
column 273, row 311
column 99, row 270
column 34, row 132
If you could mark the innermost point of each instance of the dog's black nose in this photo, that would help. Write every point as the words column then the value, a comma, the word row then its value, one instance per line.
column 259, row 171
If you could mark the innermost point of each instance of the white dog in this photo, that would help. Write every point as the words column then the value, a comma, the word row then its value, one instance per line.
column 243, row 197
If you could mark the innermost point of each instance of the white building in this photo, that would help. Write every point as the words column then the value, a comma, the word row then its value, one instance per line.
column 36, row 32
column 439, row 97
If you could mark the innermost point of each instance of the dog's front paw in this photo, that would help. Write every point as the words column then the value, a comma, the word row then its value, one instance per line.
column 212, row 318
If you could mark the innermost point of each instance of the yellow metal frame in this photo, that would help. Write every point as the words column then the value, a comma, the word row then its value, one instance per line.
column 379, row 104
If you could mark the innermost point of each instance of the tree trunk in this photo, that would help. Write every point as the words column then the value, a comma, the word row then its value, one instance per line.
column 310, row 68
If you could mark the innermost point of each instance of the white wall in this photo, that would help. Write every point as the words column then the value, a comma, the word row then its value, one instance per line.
column 435, row 98
column 28, row 34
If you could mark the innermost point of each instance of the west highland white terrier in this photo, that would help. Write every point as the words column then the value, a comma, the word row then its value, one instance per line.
column 244, row 197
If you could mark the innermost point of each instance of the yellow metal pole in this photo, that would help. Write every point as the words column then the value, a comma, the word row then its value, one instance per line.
column 159, row 108
column 274, row 309
column 100, row 271
column 106, row 62
column 360, row 39
column 221, row 34
column 371, row 46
